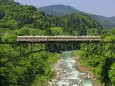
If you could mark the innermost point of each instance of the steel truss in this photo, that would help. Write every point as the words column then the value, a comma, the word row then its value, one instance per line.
column 22, row 49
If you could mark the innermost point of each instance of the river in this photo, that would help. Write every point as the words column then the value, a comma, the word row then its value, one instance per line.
column 68, row 74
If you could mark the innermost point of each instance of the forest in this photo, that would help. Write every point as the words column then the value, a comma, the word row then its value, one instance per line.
column 35, row 69
column 100, row 58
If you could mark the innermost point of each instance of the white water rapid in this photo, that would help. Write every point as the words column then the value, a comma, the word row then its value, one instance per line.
column 68, row 74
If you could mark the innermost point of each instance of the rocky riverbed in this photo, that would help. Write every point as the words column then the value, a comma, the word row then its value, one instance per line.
column 69, row 73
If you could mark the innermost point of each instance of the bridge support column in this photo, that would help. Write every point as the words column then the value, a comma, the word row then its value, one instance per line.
column 62, row 46
column 66, row 46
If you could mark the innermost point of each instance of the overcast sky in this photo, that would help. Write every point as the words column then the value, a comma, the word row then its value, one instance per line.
column 99, row 7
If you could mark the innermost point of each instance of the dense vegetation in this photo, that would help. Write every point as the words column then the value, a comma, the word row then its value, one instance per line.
column 15, row 16
column 100, row 58
column 35, row 69
column 32, row 69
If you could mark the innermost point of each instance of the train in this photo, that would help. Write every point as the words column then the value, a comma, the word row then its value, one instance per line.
column 57, row 38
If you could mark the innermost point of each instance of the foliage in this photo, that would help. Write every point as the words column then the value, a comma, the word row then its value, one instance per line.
column 28, row 70
column 81, row 23
column 100, row 59
column 112, row 74
column 57, row 31
column 15, row 16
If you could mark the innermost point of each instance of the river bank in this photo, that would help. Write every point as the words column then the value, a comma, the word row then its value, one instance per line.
column 58, row 70
column 87, row 71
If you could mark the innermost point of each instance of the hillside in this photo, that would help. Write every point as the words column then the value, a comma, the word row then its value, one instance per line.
column 58, row 10
column 62, row 10
column 15, row 16
column 112, row 19
column 106, row 22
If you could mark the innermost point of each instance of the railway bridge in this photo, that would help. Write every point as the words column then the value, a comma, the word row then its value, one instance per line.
column 35, row 44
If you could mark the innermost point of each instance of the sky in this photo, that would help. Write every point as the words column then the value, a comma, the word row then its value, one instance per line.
column 98, row 7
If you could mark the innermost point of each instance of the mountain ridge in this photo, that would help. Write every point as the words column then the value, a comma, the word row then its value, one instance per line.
column 63, row 10
column 58, row 10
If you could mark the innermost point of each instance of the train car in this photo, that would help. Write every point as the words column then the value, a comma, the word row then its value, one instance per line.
column 31, row 38
column 57, row 38
column 61, row 38
column 88, row 38
column 39, row 39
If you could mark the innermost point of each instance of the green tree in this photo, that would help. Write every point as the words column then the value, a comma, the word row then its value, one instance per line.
column 112, row 74
column 112, row 32
column 57, row 31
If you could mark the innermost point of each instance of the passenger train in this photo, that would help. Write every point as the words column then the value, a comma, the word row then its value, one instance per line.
column 57, row 38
